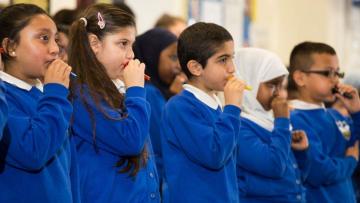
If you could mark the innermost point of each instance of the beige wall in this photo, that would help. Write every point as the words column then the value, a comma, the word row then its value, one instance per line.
column 281, row 24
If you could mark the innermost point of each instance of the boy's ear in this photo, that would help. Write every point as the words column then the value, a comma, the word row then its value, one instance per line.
column 299, row 78
column 194, row 67
column 95, row 43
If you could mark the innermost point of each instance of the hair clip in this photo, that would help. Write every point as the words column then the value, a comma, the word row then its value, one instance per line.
column 101, row 21
column 85, row 21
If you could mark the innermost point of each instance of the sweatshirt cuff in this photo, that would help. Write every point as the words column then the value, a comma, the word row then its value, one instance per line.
column 282, row 122
column 56, row 89
column 233, row 110
column 135, row 91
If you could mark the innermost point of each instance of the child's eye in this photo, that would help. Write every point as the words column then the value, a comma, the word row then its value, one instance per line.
column 123, row 43
column 44, row 37
column 223, row 60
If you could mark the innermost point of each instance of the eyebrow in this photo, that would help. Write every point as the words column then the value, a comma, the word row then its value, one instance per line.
column 47, row 30
column 224, row 55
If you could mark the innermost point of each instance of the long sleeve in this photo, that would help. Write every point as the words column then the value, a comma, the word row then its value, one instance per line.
column 74, row 174
column 324, row 168
column 265, row 157
column 34, row 140
column 126, row 136
column 206, row 143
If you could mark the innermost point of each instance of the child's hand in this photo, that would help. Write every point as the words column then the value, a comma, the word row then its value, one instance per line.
column 280, row 107
column 353, row 151
column 177, row 84
column 353, row 104
column 299, row 140
column 233, row 92
column 58, row 72
column 134, row 74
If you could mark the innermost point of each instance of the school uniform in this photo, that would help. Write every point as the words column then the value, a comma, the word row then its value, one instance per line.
column 100, row 179
column 3, row 108
column 38, row 161
column 148, row 48
column 329, row 134
column 157, row 103
column 268, row 170
column 199, row 148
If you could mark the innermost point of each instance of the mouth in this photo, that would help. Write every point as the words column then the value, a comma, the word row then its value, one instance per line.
column 47, row 63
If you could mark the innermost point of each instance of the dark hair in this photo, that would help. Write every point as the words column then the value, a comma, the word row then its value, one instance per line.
column 123, row 6
column 166, row 20
column 199, row 42
column 13, row 19
column 301, row 58
column 64, row 18
column 92, row 73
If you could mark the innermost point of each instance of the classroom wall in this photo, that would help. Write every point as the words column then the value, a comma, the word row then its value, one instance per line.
column 281, row 24
column 278, row 25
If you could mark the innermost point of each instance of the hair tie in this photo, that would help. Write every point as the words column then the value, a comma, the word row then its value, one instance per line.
column 101, row 21
column 85, row 21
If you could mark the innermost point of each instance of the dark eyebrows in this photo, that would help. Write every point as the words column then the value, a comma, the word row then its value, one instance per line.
column 224, row 56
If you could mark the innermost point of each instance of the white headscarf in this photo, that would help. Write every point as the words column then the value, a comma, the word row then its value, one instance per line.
column 255, row 66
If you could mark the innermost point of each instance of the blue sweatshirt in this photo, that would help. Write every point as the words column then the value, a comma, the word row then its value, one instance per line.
column 38, row 162
column 329, row 179
column 99, row 177
column 157, row 103
column 3, row 108
column 267, row 168
column 199, row 150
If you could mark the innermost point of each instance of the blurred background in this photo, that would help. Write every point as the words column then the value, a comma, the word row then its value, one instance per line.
column 277, row 25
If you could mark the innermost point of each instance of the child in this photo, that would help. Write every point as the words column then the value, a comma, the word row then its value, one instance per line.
column 63, row 19
column 267, row 169
column 198, row 137
column 37, row 156
column 157, row 49
column 314, row 73
column 111, row 128
column 174, row 24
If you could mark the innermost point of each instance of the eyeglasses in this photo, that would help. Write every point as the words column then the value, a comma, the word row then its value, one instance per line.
column 326, row 73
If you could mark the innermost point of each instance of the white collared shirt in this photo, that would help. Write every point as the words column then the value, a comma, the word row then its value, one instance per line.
column 298, row 104
column 120, row 85
column 20, row 83
column 211, row 101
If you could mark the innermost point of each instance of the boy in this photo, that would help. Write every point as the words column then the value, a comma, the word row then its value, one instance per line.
column 314, row 73
column 199, row 138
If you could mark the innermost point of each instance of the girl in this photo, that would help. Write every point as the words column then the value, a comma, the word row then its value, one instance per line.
column 36, row 149
column 267, row 170
column 157, row 49
column 111, row 128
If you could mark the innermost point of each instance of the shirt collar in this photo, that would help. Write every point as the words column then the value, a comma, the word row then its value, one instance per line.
column 20, row 83
column 298, row 104
column 120, row 85
column 211, row 101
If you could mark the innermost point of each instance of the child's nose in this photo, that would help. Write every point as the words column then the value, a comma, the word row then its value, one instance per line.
column 231, row 68
column 130, row 54
column 54, row 48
